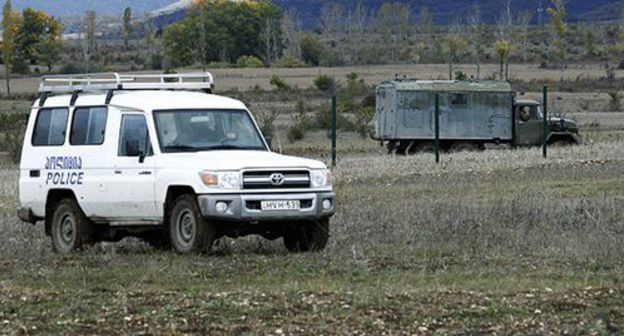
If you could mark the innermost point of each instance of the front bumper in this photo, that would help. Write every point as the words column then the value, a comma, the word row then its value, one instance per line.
column 245, row 207
column 26, row 215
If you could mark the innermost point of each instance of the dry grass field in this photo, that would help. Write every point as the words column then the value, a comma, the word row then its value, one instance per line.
column 493, row 242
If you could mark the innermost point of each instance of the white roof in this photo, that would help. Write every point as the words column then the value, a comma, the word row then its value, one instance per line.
column 149, row 100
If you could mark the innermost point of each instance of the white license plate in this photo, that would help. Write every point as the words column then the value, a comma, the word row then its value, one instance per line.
column 280, row 205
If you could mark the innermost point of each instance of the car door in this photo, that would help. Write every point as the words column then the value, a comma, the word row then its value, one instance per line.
column 132, row 189
column 528, row 125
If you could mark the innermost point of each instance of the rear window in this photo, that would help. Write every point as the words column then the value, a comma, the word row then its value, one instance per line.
column 88, row 126
column 50, row 127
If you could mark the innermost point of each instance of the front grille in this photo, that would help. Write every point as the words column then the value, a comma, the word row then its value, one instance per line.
column 291, row 179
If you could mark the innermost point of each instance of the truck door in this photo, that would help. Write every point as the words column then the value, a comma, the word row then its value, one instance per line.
column 132, row 193
column 528, row 121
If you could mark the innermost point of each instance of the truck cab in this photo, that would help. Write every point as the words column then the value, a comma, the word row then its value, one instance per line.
column 528, row 123
column 163, row 159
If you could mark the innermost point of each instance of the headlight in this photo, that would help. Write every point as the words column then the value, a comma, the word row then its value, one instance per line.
column 320, row 178
column 222, row 180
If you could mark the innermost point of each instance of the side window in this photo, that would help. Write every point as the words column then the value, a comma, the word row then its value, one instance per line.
column 459, row 99
column 50, row 127
column 134, row 136
column 88, row 126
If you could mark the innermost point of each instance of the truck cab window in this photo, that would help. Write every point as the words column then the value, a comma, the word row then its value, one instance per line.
column 133, row 135
column 50, row 127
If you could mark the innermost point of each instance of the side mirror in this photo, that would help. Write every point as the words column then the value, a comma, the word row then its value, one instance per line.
column 133, row 148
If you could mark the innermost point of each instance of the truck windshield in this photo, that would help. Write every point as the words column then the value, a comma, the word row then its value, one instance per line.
column 203, row 130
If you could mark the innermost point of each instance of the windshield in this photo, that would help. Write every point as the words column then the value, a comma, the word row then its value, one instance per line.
column 200, row 130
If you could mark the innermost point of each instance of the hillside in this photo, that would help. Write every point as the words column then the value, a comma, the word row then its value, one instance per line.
column 444, row 11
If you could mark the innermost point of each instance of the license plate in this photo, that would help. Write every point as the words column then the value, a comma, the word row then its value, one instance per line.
column 280, row 205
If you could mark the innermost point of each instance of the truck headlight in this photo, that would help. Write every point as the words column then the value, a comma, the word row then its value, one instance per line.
column 222, row 180
column 320, row 178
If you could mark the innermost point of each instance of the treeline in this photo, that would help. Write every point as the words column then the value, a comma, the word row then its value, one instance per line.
column 220, row 33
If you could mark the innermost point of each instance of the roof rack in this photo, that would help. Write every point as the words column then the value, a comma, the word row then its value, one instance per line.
column 114, row 81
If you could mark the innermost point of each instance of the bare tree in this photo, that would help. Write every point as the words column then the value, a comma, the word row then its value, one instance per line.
column 477, row 31
column 425, row 21
column 392, row 22
column 455, row 44
column 270, row 40
column 332, row 16
column 291, row 29
column 524, row 21
column 560, row 28
column 88, row 43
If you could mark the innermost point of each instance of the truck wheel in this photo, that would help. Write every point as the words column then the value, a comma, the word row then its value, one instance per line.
column 308, row 237
column 71, row 229
column 423, row 147
column 464, row 146
column 188, row 230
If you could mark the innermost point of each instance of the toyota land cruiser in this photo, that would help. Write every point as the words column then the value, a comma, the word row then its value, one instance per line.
column 161, row 158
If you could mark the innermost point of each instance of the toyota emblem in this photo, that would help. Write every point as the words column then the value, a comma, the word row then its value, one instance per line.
column 277, row 179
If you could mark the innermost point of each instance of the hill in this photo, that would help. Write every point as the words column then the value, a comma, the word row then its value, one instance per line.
column 444, row 11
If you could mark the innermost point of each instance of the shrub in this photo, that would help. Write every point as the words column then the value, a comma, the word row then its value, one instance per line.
column 363, row 117
column 460, row 76
column 615, row 100
column 156, row 62
column 279, row 83
column 249, row 62
column 325, row 83
column 312, row 49
column 288, row 62
column 267, row 121
column 295, row 133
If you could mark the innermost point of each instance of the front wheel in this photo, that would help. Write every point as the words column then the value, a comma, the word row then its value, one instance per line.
column 189, row 231
column 71, row 229
column 307, row 237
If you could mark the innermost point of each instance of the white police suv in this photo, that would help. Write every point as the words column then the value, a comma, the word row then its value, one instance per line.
column 161, row 158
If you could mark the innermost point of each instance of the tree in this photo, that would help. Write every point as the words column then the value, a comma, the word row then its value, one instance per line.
column 502, row 48
column 477, row 31
column 231, row 29
column 559, row 28
column 291, row 30
column 455, row 44
column 127, row 25
column 312, row 49
column 49, row 50
column 332, row 16
column 8, row 42
column 270, row 40
column 505, row 25
column 425, row 21
column 523, row 32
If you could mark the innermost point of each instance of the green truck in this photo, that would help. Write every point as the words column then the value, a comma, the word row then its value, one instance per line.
column 473, row 116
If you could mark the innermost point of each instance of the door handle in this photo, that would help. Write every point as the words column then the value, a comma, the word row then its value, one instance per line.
column 117, row 172
column 146, row 172
column 35, row 173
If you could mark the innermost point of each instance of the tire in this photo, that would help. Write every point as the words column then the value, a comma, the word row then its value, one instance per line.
column 307, row 237
column 464, row 146
column 158, row 239
column 189, row 231
column 71, row 229
column 423, row 147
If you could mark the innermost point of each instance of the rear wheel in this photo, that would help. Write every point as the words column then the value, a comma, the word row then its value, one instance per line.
column 307, row 237
column 189, row 231
column 71, row 229
column 464, row 146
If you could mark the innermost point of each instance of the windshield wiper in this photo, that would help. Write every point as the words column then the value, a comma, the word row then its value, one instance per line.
column 224, row 147
column 182, row 148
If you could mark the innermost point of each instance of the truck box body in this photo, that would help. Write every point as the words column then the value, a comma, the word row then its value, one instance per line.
column 468, row 110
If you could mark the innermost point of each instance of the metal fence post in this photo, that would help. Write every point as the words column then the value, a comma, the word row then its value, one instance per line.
column 545, row 123
column 437, row 128
column 333, row 132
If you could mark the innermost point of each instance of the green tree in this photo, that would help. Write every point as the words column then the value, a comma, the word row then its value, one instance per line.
column 502, row 48
column 49, row 50
column 312, row 49
column 127, row 25
column 230, row 30
column 8, row 42
column 560, row 28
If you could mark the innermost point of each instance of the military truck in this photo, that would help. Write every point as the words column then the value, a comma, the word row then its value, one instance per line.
column 473, row 116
